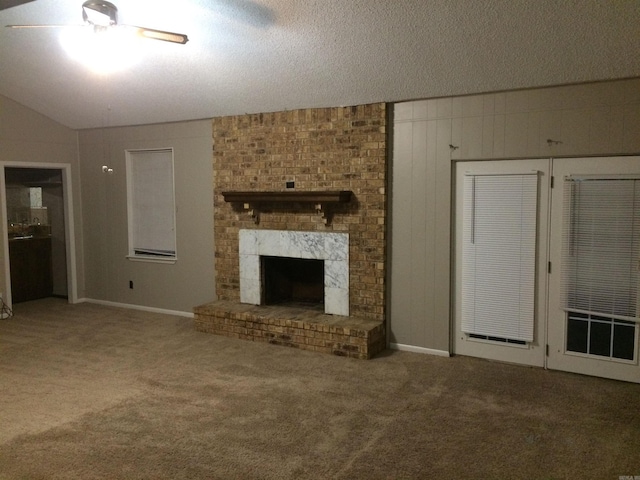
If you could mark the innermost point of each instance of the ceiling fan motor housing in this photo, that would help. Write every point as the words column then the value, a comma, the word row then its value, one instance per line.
column 99, row 13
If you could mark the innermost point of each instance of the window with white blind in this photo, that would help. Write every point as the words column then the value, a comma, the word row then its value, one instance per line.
column 601, row 250
column 499, row 256
column 151, row 205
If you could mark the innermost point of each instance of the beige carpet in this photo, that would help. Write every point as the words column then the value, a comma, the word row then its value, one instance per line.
column 91, row 392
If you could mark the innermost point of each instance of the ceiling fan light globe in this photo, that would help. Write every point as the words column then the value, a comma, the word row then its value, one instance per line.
column 103, row 50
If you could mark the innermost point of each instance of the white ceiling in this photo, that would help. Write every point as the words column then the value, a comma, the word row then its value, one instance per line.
column 247, row 56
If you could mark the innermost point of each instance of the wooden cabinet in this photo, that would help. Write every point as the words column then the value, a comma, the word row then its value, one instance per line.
column 31, row 273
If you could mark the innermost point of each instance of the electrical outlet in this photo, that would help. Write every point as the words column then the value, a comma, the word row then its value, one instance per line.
column 131, row 284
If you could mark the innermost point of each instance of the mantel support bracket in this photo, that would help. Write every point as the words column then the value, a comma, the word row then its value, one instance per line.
column 253, row 212
column 326, row 215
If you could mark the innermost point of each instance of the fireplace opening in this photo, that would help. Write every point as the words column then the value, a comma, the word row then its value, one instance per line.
column 292, row 281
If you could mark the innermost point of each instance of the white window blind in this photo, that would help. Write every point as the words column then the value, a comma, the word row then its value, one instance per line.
column 499, row 255
column 601, row 246
column 151, row 203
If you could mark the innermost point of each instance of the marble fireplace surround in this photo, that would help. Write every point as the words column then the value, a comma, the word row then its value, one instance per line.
column 333, row 248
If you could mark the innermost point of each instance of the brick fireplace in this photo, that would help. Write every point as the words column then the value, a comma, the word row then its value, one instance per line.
column 313, row 150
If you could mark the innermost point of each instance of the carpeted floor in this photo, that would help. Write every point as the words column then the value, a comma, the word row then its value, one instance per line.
column 92, row 392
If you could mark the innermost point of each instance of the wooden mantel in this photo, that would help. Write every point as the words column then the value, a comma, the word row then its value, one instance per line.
column 321, row 199
column 340, row 196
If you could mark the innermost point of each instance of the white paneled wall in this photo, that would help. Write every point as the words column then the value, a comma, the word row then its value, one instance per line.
column 429, row 135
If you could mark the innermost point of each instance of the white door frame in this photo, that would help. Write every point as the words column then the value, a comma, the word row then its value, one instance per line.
column 550, row 324
column 558, row 358
column 533, row 353
column 70, row 243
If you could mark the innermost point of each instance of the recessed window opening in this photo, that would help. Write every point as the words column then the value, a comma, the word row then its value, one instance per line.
column 293, row 282
column 151, row 205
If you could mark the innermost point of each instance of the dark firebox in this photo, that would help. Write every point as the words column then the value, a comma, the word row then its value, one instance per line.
column 293, row 282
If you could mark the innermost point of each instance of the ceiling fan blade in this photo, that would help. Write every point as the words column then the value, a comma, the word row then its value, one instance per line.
column 162, row 35
column 4, row 4
column 41, row 26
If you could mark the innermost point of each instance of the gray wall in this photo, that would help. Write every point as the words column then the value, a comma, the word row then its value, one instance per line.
column 177, row 287
column 100, row 212
column 27, row 137
column 590, row 119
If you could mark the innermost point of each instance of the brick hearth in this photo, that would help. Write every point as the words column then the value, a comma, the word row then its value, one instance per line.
column 293, row 327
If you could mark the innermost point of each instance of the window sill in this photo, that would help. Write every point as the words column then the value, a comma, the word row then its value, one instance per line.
column 152, row 259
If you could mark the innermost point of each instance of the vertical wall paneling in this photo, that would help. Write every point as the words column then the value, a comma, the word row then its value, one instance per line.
column 429, row 245
column 516, row 134
column 439, row 280
column 401, row 222
column 590, row 119
column 421, row 179
column 488, row 135
column 419, row 231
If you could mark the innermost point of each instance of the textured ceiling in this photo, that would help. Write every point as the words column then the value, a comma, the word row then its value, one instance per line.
column 248, row 56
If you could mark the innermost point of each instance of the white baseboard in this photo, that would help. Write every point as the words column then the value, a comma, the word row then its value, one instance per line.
column 136, row 307
column 414, row 349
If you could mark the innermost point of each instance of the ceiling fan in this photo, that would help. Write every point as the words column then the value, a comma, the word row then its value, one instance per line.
column 102, row 15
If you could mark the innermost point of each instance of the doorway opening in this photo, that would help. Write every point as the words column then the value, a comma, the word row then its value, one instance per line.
column 37, row 231
column 500, row 254
column 572, row 303
column 594, row 302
